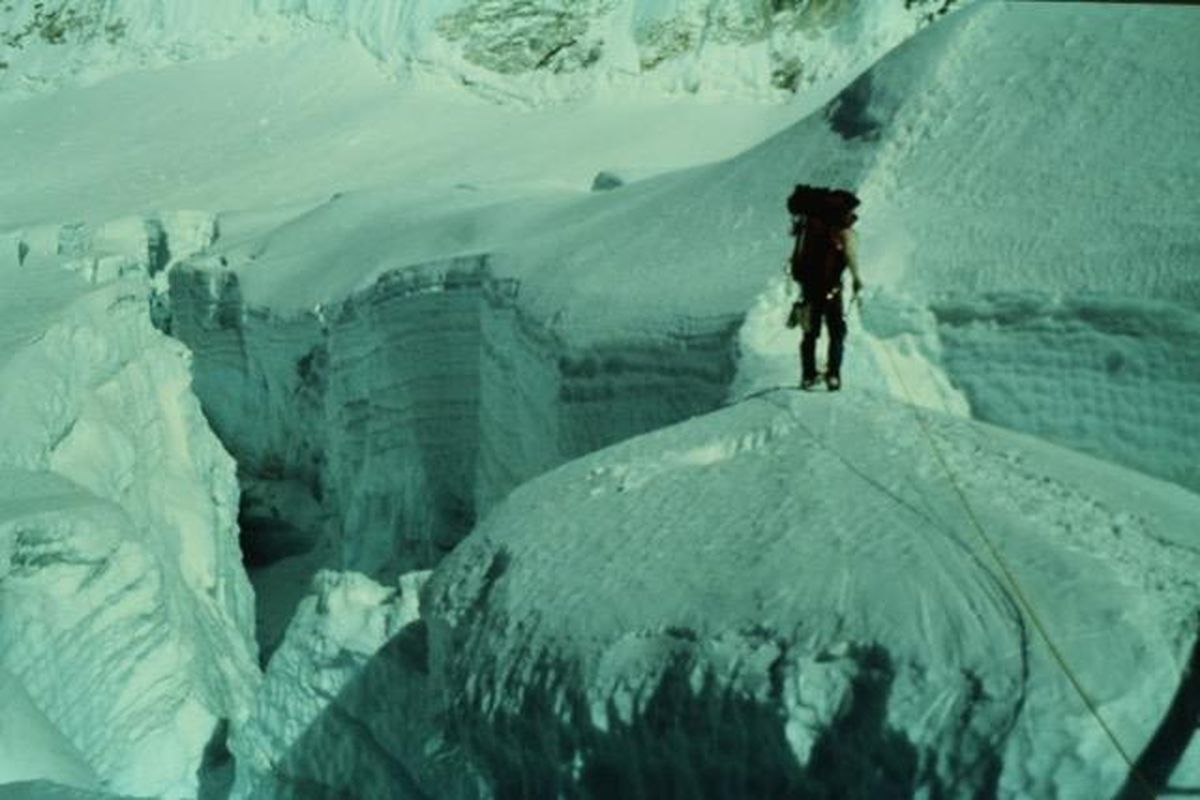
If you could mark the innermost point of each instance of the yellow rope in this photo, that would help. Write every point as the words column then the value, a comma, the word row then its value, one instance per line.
column 1016, row 589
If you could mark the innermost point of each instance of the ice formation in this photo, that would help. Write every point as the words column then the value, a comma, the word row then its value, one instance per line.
column 518, row 51
column 126, row 620
column 394, row 330
column 351, row 683
column 789, row 597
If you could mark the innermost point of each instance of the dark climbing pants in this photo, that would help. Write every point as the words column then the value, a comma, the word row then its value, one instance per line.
column 826, row 310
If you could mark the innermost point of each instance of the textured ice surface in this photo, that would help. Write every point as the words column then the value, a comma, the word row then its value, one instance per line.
column 388, row 363
column 346, row 705
column 31, row 747
column 410, row 407
column 788, row 596
column 511, row 51
column 125, row 614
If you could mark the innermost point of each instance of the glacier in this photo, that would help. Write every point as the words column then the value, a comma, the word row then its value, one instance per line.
column 517, row 51
column 509, row 450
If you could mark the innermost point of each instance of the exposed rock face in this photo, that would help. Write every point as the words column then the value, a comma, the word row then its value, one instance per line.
column 127, row 620
column 596, row 646
column 509, row 49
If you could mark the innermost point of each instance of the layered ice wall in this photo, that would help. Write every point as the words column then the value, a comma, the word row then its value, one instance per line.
column 126, row 616
column 406, row 410
column 523, row 51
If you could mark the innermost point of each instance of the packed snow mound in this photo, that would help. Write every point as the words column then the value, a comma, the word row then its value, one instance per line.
column 507, row 49
column 127, row 617
column 321, row 725
column 795, row 582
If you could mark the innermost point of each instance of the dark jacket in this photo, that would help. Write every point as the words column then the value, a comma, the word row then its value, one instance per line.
column 819, row 258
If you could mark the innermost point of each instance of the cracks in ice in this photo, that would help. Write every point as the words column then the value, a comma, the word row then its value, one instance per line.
column 399, row 414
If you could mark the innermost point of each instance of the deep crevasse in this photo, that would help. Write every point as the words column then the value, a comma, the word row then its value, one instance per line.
column 410, row 408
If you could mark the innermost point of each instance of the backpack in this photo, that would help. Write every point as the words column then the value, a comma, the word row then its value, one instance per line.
column 818, row 214
column 834, row 206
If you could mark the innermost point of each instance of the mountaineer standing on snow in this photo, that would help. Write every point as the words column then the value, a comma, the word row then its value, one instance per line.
column 821, row 222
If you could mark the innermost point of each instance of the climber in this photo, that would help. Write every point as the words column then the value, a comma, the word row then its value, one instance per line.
column 821, row 222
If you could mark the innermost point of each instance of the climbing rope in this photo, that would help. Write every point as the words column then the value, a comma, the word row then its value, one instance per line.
column 1015, row 586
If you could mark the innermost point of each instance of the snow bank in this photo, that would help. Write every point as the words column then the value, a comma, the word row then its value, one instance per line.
column 773, row 598
column 125, row 614
column 346, row 705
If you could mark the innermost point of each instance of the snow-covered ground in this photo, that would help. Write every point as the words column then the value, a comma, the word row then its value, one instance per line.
column 402, row 301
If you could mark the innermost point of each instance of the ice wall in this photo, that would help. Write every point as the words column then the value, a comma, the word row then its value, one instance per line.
column 125, row 613
column 512, row 51
column 409, row 408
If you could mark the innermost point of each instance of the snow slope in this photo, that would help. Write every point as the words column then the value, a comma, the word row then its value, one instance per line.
column 794, row 582
column 324, row 119
column 124, row 610
column 530, row 53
